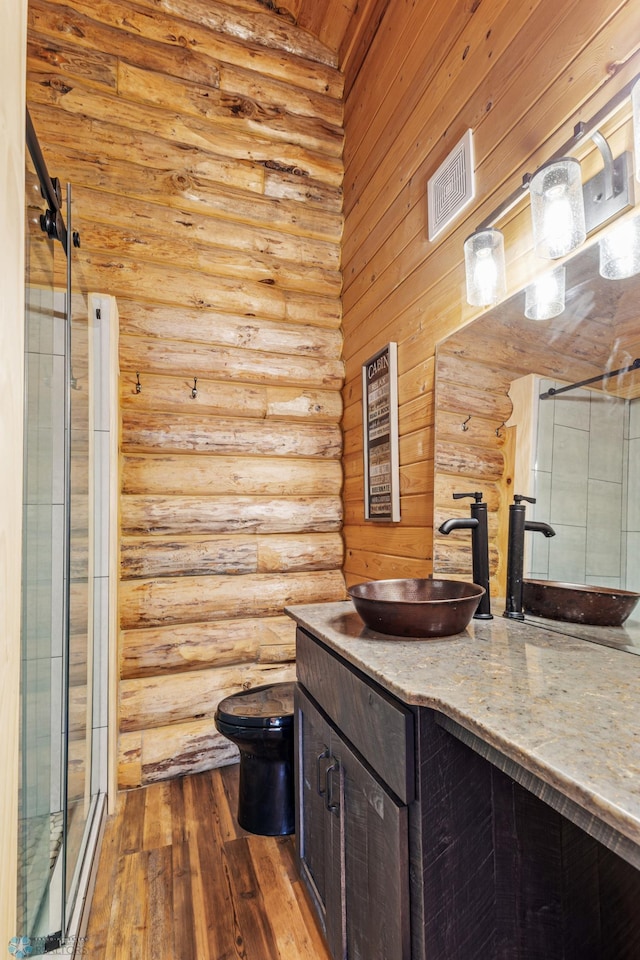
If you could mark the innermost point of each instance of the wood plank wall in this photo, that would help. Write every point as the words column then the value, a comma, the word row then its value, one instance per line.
column 518, row 75
column 203, row 141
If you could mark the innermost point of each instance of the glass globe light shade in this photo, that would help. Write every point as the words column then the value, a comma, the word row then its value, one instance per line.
column 557, row 208
column 485, row 267
column 544, row 298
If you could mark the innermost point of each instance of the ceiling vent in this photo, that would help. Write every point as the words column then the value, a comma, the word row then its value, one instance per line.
column 451, row 187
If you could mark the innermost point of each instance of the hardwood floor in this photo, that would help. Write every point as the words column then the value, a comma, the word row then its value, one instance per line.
column 178, row 879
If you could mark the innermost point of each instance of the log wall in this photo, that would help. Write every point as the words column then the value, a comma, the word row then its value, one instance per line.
column 520, row 76
column 204, row 145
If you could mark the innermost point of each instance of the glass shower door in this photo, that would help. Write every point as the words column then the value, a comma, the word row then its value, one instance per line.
column 41, row 824
column 58, row 793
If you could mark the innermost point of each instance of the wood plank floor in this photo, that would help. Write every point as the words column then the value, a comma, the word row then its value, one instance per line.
column 178, row 879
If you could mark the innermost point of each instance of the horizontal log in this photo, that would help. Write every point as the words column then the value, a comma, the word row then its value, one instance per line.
column 176, row 35
column 445, row 486
column 150, row 702
column 127, row 277
column 91, row 66
column 480, row 432
column 242, row 143
column 183, row 752
column 468, row 400
column 452, row 557
column 285, row 184
column 146, row 603
column 201, row 515
column 469, row 462
column 189, row 556
column 226, row 399
column 237, row 113
column 173, row 358
column 202, row 434
column 190, row 325
column 172, row 751
column 86, row 33
column 213, row 261
column 227, row 476
column 252, row 25
column 195, row 646
column 201, row 225
column 192, row 192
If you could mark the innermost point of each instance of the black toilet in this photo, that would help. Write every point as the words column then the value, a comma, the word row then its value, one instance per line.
column 260, row 723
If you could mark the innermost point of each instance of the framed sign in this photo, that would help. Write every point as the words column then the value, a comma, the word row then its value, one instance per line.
column 380, row 429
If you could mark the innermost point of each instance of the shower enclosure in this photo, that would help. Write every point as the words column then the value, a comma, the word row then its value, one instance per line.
column 62, row 778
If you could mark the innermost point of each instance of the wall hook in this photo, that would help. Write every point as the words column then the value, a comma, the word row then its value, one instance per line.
column 138, row 384
column 464, row 425
column 194, row 391
column 499, row 429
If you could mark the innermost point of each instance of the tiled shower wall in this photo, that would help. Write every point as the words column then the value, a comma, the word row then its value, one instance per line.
column 586, row 477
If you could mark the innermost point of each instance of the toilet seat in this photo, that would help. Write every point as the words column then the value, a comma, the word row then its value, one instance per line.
column 267, row 707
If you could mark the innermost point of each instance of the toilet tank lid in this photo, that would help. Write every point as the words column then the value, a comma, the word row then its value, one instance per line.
column 267, row 706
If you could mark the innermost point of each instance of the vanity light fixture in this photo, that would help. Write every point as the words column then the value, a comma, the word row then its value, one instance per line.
column 544, row 298
column 557, row 208
column 620, row 250
column 564, row 211
column 485, row 267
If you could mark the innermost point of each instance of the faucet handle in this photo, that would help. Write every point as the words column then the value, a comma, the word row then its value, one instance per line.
column 519, row 497
column 477, row 496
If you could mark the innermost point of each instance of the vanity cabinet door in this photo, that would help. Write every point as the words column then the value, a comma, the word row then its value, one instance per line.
column 352, row 839
column 373, row 851
column 313, row 826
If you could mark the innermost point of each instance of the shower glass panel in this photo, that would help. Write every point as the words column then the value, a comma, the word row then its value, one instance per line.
column 60, row 801
column 41, row 787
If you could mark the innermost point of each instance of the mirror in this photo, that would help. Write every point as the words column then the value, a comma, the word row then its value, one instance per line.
column 577, row 453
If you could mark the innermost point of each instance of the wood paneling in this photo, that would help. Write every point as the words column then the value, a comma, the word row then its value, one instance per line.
column 520, row 79
column 204, row 143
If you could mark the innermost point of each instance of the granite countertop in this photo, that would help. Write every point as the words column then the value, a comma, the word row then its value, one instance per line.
column 564, row 709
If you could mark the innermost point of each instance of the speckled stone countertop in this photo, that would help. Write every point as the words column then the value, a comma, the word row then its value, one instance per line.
column 563, row 709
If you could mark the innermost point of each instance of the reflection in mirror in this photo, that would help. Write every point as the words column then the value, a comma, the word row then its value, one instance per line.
column 577, row 453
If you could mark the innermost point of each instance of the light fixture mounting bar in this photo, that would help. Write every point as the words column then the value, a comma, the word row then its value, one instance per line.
column 603, row 202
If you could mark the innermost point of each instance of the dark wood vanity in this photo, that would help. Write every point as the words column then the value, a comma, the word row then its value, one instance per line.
column 418, row 839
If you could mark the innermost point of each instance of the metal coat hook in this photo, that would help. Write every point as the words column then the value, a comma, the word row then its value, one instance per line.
column 194, row 391
column 464, row 425
column 498, row 429
column 138, row 384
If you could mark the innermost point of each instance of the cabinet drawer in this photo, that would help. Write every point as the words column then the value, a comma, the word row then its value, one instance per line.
column 378, row 726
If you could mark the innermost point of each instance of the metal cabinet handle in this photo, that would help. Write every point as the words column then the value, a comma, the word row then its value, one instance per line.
column 332, row 805
column 321, row 756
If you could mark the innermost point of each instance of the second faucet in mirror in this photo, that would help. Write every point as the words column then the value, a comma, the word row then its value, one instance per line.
column 518, row 525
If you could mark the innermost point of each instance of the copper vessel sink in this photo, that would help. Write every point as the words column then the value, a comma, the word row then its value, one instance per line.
column 416, row 608
column 577, row 603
